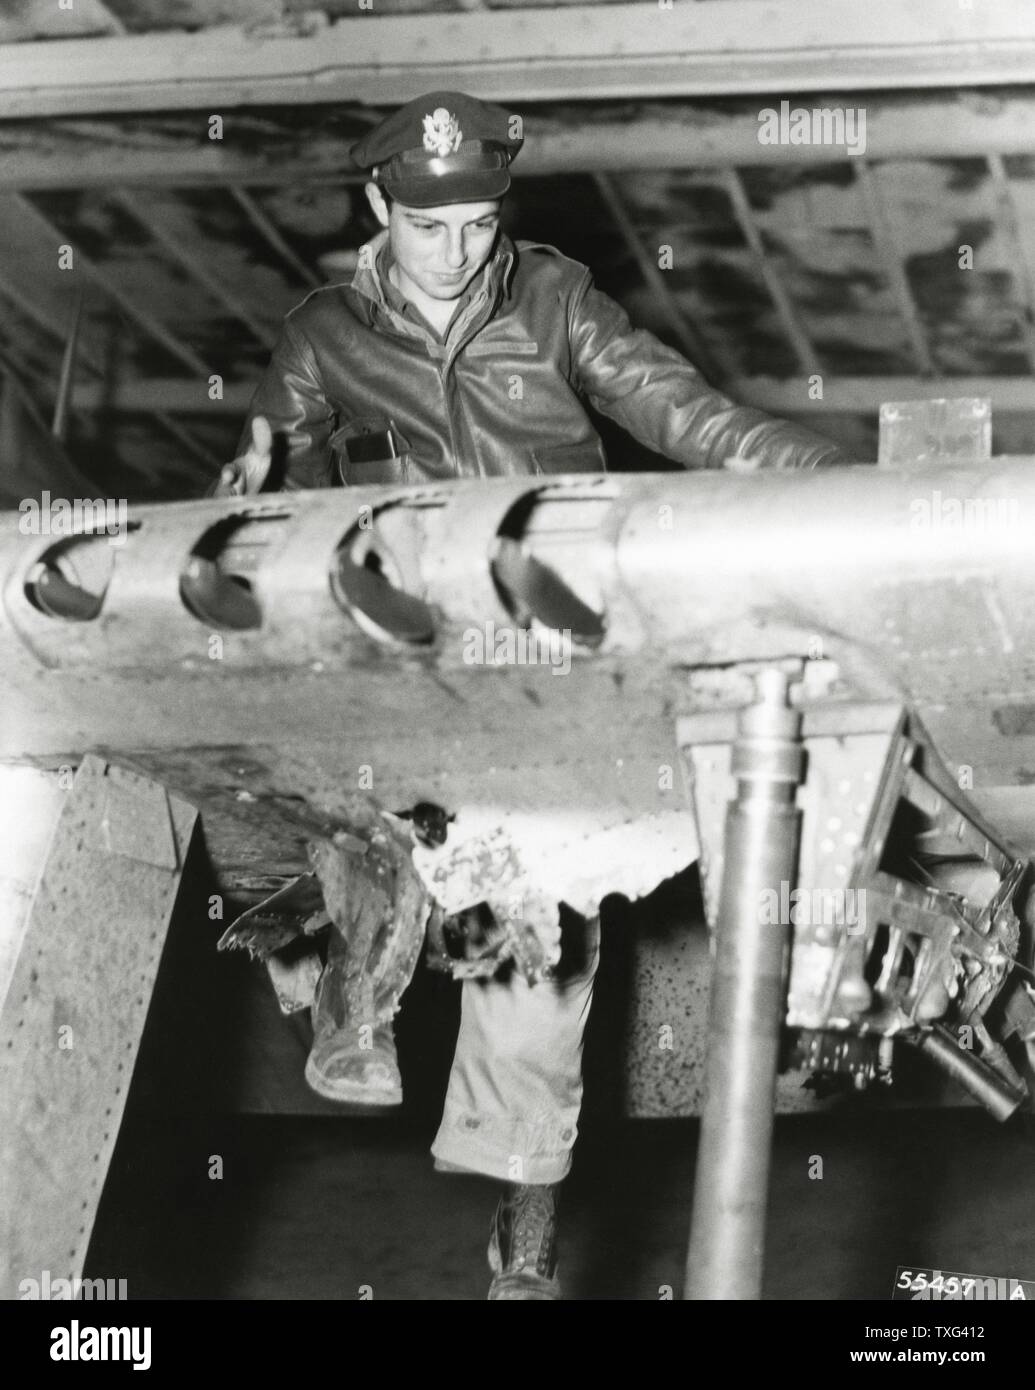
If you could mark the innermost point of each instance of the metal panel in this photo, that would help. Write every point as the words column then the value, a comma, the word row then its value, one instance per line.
column 71, row 1024
column 30, row 804
column 271, row 729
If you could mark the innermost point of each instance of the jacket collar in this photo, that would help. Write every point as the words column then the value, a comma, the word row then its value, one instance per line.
column 498, row 274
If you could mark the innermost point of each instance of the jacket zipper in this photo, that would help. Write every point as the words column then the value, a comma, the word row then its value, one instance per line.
column 444, row 372
column 478, row 322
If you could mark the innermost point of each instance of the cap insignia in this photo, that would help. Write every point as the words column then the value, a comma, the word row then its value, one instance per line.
column 442, row 134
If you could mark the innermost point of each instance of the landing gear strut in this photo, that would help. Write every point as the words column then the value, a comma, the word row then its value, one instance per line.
column 763, row 826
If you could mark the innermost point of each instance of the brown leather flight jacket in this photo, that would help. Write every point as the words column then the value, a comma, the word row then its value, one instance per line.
column 356, row 393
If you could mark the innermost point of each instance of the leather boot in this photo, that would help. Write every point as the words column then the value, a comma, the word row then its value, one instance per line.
column 523, row 1245
column 352, row 1059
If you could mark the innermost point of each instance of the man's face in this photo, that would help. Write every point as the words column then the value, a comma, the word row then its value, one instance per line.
column 439, row 250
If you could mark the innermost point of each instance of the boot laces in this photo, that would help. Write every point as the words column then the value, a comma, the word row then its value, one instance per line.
column 532, row 1229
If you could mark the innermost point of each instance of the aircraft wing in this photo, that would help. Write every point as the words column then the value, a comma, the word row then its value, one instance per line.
column 278, row 659
column 540, row 690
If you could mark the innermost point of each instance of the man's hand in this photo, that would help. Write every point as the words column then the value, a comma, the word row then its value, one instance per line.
column 249, row 471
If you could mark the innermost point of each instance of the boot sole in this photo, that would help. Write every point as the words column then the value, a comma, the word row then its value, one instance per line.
column 348, row 1092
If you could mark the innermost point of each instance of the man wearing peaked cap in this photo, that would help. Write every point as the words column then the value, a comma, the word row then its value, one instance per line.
column 441, row 149
column 455, row 352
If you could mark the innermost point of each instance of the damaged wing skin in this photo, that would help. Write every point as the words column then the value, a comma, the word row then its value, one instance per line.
column 294, row 910
column 368, row 889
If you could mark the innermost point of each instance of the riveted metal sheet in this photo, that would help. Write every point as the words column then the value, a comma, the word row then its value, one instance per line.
column 30, row 803
column 74, row 1013
column 845, row 759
